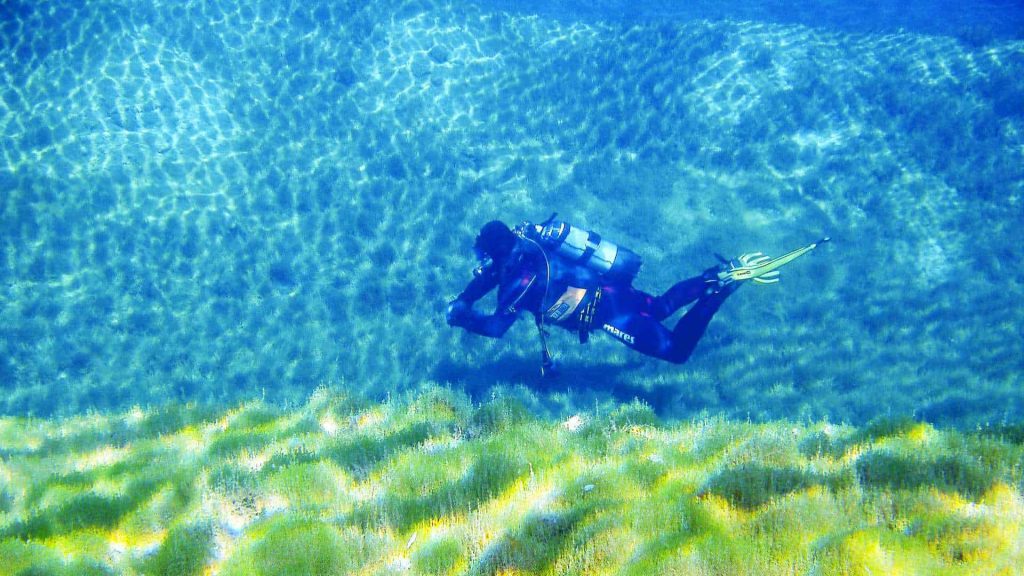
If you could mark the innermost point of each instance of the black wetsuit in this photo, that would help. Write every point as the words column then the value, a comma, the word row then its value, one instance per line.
column 575, row 298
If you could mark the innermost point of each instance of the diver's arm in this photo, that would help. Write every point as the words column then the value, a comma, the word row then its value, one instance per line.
column 491, row 325
column 460, row 312
column 479, row 286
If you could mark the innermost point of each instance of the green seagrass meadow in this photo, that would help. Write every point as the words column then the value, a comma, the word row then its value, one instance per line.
column 433, row 484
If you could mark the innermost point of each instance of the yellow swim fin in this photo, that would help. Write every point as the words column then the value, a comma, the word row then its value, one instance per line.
column 764, row 269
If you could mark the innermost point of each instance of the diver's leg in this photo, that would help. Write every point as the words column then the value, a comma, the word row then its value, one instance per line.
column 646, row 335
column 679, row 295
column 641, row 333
column 691, row 326
column 625, row 314
column 633, row 317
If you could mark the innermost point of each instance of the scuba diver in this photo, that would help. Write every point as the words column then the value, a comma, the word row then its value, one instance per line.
column 574, row 279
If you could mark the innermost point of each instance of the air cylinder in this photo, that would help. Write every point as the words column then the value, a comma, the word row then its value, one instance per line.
column 588, row 249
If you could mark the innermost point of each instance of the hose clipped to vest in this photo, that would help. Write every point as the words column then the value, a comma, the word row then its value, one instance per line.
column 548, row 368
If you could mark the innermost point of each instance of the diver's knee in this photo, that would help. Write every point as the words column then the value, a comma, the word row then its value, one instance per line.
column 679, row 353
column 674, row 354
column 678, row 358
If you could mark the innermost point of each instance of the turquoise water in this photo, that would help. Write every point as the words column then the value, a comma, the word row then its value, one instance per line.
column 209, row 201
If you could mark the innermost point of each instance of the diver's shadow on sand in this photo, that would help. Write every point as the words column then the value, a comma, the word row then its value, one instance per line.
column 479, row 380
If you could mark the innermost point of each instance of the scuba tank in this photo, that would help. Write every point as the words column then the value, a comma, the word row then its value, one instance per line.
column 585, row 248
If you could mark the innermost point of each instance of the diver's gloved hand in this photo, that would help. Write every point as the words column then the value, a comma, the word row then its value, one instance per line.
column 458, row 312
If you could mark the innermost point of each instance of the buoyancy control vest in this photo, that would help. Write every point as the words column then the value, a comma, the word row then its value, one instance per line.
column 585, row 248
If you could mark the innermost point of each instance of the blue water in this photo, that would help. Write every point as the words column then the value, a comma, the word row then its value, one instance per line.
column 210, row 202
column 973, row 22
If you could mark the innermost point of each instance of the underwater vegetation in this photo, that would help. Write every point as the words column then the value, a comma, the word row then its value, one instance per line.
column 432, row 483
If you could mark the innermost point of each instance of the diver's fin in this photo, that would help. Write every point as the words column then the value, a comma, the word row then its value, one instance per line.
column 764, row 269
